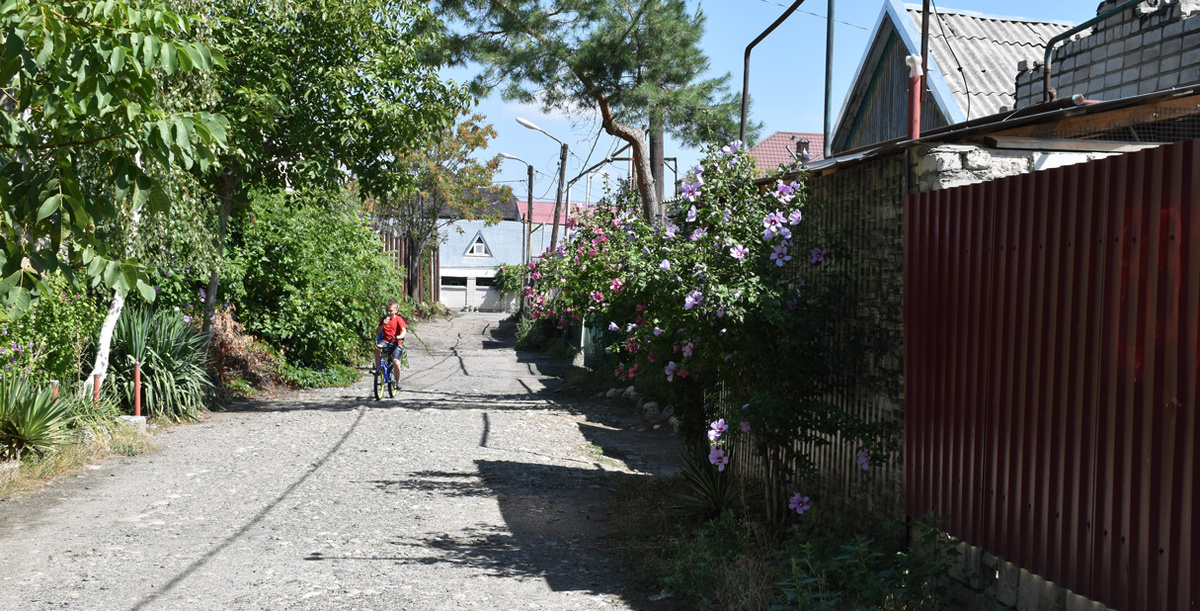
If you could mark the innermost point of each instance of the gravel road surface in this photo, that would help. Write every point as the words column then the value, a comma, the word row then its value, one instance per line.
column 478, row 487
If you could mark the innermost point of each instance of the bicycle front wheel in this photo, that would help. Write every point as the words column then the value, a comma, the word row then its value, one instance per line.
column 378, row 382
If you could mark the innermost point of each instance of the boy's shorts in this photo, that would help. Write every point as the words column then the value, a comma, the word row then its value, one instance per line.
column 390, row 350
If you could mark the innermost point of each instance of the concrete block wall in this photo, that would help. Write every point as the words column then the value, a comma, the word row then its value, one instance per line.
column 954, row 165
column 1148, row 47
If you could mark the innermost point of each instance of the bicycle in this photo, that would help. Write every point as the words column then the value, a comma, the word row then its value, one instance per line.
column 386, row 377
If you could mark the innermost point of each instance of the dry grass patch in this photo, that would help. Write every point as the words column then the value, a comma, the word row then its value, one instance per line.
column 94, row 442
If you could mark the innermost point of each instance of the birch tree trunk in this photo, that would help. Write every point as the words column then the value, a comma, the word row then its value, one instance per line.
column 104, row 342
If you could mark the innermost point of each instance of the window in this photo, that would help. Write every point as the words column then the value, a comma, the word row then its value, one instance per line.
column 454, row 281
column 478, row 247
column 481, row 281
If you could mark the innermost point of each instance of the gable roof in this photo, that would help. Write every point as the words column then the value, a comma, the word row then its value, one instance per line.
column 972, row 59
column 976, row 55
column 503, row 208
column 543, row 212
column 772, row 151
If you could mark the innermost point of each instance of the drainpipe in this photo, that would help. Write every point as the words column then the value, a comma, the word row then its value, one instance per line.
column 914, row 96
column 1047, row 93
column 746, row 68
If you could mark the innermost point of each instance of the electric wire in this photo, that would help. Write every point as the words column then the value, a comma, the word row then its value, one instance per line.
column 853, row 25
column 950, row 47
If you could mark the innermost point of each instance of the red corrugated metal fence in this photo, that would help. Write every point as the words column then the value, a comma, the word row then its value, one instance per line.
column 1051, row 340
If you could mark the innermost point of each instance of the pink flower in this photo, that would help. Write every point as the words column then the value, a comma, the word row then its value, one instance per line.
column 799, row 503
column 687, row 349
column 780, row 255
column 716, row 429
column 597, row 296
column 616, row 284
column 717, row 457
column 817, row 255
column 864, row 459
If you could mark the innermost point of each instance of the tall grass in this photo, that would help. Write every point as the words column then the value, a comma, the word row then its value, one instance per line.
column 175, row 378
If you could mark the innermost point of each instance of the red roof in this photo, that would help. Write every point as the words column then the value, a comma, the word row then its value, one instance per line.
column 543, row 212
column 773, row 150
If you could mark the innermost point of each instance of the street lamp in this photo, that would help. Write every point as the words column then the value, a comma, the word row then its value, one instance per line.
column 562, row 178
column 529, row 213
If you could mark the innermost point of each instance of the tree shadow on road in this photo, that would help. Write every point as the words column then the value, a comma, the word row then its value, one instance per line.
column 556, row 527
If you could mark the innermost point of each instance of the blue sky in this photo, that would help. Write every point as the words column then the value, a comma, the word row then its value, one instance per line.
column 787, row 79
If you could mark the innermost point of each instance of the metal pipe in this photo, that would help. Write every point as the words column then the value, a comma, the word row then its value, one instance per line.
column 914, row 96
column 746, row 69
column 924, row 45
column 529, row 218
column 827, row 146
column 1048, row 94
column 137, row 388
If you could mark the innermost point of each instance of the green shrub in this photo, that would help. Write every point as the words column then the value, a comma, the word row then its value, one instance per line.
column 509, row 278
column 49, row 342
column 32, row 420
column 174, row 362
column 311, row 276
column 333, row 375
column 530, row 334
column 832, row 567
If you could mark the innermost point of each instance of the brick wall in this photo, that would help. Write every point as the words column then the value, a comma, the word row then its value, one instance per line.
column 1148, row 47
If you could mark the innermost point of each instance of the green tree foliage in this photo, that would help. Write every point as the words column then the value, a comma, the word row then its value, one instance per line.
column 321, row 93
column 311, row 277
column 634, row 62
column 85, row 132
column 447, row 181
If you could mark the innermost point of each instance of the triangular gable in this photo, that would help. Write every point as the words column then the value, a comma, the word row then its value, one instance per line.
column 893, row 23
column 983, row 45
column 478, row 246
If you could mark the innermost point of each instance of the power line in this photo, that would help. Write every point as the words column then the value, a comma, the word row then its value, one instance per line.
column 853, row 25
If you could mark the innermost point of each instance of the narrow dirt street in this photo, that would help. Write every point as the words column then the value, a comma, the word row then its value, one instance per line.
column 478, row 486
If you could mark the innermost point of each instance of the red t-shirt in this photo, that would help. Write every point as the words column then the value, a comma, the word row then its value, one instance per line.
column 393, row 327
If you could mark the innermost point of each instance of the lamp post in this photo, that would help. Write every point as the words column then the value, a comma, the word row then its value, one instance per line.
column 529, row 212
column 562, row 178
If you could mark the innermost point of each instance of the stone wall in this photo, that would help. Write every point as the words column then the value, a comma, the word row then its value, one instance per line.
column 945, row 166
column 1148, row 47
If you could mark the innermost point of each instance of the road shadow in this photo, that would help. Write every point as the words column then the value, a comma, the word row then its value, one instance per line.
column 556, row 528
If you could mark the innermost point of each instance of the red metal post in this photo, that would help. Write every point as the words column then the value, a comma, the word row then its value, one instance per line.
column 96, row 389
column 137, row 388
column 914, row 96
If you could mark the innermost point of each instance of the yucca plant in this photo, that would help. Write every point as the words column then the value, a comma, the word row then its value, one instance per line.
column 31, row 419
column 709, row 491
column 175, row 375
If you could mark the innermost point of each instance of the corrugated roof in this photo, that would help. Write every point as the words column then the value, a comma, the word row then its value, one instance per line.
column 543, row 212
column 772, row 151
column 977, row 54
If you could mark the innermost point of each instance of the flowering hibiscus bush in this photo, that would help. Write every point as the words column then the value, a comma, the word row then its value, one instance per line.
column 731, row 293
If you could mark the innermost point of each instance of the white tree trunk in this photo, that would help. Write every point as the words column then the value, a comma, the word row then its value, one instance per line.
column 104, row 342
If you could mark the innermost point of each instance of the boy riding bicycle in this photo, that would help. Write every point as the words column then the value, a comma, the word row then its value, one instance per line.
column 389, row 336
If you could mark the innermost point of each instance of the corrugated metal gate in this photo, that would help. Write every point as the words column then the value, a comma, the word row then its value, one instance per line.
column 1051, row 339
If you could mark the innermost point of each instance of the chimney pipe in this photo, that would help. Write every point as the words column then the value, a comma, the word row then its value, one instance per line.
column 914, row 96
